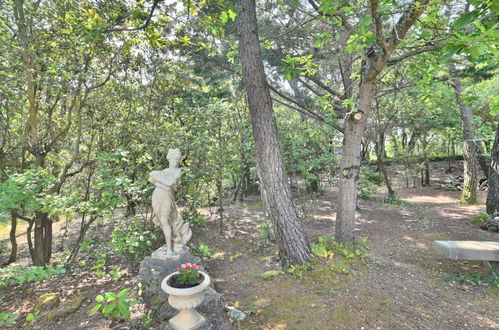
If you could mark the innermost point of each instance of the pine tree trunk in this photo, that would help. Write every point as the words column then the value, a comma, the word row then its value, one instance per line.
column 291, row 239
column 350, row 166
column 493, row 193
column 469, row 193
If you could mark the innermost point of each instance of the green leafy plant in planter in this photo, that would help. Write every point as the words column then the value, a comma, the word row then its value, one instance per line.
column 116, row 306
column 186, row 289
column 188, row 276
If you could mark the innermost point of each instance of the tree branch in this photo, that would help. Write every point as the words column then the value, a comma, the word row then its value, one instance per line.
column 378, row 24
column 143, row 26
column 396, row 59
column 343, row 18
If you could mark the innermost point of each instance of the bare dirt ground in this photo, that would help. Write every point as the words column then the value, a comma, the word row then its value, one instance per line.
column 402, row 284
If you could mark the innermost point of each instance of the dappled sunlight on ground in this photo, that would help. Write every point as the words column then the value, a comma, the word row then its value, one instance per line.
column 440, row 199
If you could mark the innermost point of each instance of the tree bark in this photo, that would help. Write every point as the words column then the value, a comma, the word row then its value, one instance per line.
column 493, row 192
column 469, row 193
column 380, row 155
column 42, row 248
column 374, row 61
column 13, row 240
column 291, row 239
column 350, row 166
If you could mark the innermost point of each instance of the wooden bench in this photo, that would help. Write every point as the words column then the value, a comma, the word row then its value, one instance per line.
column 471, row 250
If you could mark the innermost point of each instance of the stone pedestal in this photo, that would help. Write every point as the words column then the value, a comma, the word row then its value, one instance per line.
column 151, row 274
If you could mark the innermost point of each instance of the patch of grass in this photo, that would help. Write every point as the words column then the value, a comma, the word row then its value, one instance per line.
column 470, row 279
column 395, row 203
column 480, row 219
column 333, row 258
column 277, row 311
column 271, row 273
column 328, row 248
column 426, row 220
column 257, row 205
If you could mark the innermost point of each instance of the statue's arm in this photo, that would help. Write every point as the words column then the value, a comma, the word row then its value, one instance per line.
column 161, row 185
column 168, row 178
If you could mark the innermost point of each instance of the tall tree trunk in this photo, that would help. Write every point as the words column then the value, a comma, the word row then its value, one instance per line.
column 380, row 155
column 42, row 247
column 468, row 195
column 375, row 59
column 350, row 165
column 493, row 193
column 483, row 159
column 13, row 240
column 291, row 239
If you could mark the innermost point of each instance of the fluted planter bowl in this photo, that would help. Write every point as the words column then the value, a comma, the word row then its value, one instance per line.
column 185, row 301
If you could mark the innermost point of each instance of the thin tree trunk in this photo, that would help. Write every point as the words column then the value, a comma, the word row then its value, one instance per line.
column 350, row 166
column 469, row 193
column 380, row 155
column 291, row 239
column 493, row 193
column 374, row 61
column 42, row 248
column 13, row 240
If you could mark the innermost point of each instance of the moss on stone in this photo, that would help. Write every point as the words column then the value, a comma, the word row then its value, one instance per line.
column 65, row 308
column 47, row 302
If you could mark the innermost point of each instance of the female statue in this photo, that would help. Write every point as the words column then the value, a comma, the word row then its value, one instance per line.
column 177, row 232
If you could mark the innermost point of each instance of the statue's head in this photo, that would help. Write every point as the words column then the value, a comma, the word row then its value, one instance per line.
column 173, row 157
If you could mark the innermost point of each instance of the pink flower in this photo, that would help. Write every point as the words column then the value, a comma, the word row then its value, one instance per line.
column 195, row 266
column 178, row 268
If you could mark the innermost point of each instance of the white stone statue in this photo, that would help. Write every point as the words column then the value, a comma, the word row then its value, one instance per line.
column 177, row 232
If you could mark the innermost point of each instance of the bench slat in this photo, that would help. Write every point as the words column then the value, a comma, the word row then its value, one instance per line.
column 468, row 250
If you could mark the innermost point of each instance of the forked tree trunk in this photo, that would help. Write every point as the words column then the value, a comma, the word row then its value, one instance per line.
column 493, row 193
column 350, row 165
column 468, row 195
column 291, row 239
column 374, row 61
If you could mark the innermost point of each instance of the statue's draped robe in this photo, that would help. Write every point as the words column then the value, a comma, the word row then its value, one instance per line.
column 165, row 208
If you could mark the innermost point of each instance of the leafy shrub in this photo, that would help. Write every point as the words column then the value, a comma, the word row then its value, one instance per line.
column 130, row 237
column 202, row 250
column 326, row 248
column 321, row 251
column 115, row 273
column 480, row 219
column 197, row 219
column 88, row 243
column 116, row 306
column 21, row 274
column 32, row 317
column 368, row 183
column 8, row 318
column 266, row 232
column 100, row 265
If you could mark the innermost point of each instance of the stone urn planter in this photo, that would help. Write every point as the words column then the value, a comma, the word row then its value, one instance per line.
column 185, row 300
